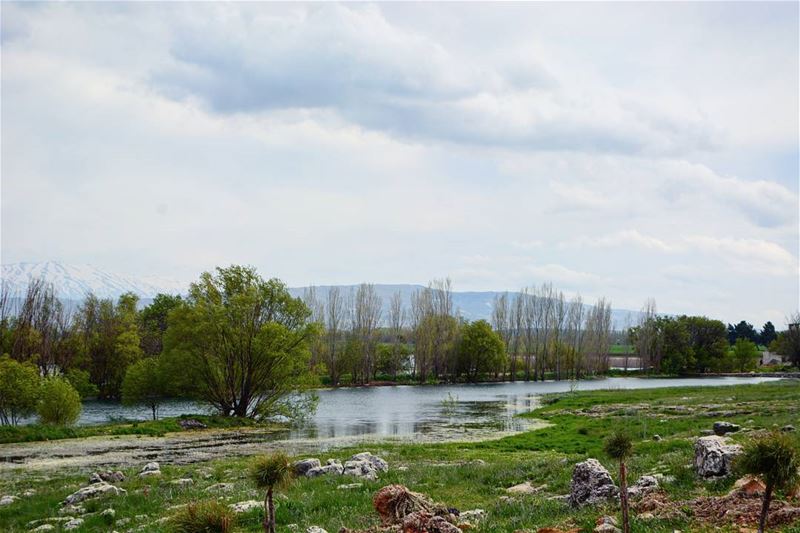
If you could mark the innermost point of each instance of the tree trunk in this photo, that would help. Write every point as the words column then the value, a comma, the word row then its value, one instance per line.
column 623, row 496
column 265, row 522
column 271, row 511
column 762, row 521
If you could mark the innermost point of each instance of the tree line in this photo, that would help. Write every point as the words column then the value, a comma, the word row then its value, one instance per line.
column 696, row 344
column 245, row 346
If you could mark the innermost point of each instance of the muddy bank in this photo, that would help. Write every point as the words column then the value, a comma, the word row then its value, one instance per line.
column 197, row 446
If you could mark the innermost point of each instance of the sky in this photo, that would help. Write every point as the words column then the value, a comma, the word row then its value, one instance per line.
column 632, row 151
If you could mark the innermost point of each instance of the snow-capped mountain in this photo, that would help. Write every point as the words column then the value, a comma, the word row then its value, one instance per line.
column 74, row 282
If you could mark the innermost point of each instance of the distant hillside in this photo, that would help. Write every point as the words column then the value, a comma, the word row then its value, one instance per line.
column 74, row 282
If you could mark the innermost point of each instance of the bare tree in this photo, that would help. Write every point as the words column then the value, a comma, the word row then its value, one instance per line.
column 501, row 318
column 335, row 314
column 366, row 317
column 397, row 320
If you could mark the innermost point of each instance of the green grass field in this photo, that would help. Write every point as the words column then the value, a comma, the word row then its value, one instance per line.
column 464, row 476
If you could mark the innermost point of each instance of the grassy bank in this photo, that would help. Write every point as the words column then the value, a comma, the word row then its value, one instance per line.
column 465, row 476
column 152, row 428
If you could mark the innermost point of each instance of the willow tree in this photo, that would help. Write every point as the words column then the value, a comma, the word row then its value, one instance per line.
column 240, row 342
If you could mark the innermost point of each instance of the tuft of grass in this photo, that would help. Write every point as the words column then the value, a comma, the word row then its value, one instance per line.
column 203, row 517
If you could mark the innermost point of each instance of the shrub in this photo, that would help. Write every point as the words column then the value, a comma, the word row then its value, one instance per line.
column 59, row 402
column 19, row 388
column 270, row 472
column 775, row 459
column 80, row 380
column 619, row 447
column 203, row 517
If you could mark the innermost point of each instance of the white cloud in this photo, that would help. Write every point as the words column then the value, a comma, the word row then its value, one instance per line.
column 397, row 143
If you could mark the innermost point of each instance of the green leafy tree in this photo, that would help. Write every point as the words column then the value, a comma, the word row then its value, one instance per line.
column 619, row 448
column 270, row 472
column 480, row 350
column 59, row 402
column 146, row 382
column 745, row 354
column 242, row 340
column 110, row 340
column 775, row 459
column 708, row 341
column 153, row 320
column 81, row 381
column 768, row 334
column 19, row 390
column 742, row 330
column 677, row 354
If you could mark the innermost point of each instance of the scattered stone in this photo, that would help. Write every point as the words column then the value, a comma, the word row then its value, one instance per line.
column 750, row 485
column 150, row 469
column 44, row 527
column 425, row 522
column 332, row 467
column 706, row 432
column 191, row 423
column 713, row 456
column 394, row 502
column 73, row 524
column 363, row 469
column 377, row 463
column 28, row 493
column 182, row 482
column 591, row 484
column 315, row 529
column 722, row 428
column 350, row 486
column 657, row 438
column 246, row 506
column 646, row 516
column 220, row 487
column 402, row 468
column 72, row 509
column 606, row 524
column 525, row 488
column 642, row 486
column 93, row 491
column 302, row 466
column 473, row 515
column 788, row 428
column 107, row 476
column 123, row 521
column 8, row 499
column 108, row 513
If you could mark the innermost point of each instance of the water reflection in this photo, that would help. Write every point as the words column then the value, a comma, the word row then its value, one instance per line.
column 404, row 411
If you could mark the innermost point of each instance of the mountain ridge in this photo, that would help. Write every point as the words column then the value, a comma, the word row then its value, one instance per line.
column 73, row 282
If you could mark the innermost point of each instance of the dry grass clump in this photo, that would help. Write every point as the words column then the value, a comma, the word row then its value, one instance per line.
column 203, row 517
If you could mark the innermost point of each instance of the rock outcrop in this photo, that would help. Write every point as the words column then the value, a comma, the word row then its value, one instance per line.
column 713, row 456
column 591, row 484
column 150, row 469
column 94, row 490
column 107, row 476
column 302, row 466
column 722, row 428
column 643, row 485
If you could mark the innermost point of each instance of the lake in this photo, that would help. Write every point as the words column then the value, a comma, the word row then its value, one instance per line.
column 401, row 411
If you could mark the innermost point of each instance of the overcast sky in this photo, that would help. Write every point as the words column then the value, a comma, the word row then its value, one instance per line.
column 630, row 150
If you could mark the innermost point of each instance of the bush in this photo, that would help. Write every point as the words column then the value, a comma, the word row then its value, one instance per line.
column 203, row 517
column 19, row 388
column 80, row 380
column 59, row 402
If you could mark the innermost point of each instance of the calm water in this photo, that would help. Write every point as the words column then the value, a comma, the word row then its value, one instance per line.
column 403, row 411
